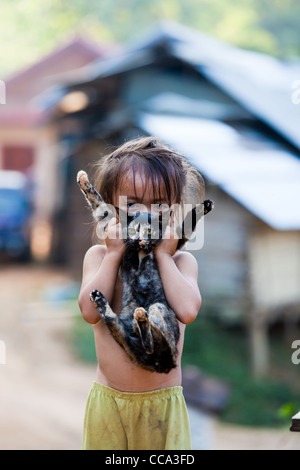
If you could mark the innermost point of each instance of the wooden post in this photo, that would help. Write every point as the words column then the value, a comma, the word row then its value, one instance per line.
column 259, row 344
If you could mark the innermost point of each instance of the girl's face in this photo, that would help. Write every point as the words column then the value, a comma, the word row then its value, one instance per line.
column 138, row 195
column 142, row 215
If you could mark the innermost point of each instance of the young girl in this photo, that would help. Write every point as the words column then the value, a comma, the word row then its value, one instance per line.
column 130, row 407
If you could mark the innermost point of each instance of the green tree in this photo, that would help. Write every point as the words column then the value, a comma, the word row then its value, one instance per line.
column 32, row 28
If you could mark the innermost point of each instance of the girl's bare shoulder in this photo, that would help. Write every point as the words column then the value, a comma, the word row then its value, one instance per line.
column 186, row 263
column 93, row 258
column 99, row 250
column 184, row 257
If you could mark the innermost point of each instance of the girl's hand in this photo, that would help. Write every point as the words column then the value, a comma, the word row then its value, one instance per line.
column 113, row 237
column 169, row 242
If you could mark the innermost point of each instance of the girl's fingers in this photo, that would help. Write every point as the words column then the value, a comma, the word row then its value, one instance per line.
column 114, row 229
column 113, row 221
column 109, row 224
column 171, row 222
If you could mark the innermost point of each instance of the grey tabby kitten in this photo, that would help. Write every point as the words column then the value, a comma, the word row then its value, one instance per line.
column 146, row 328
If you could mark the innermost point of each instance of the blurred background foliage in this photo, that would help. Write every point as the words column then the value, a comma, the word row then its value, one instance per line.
column 29, row 30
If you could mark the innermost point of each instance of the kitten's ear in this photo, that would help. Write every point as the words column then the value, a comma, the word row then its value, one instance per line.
column 99, row 208
column 192, row 218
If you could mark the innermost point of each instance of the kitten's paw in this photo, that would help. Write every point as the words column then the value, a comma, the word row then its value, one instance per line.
column 98, row 299
column 103, row 307
column 140, row 315
column 82, row 179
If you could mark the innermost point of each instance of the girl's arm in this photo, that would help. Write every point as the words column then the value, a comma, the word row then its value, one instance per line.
column 100, row 271
column 179, row 275
column 179, row 279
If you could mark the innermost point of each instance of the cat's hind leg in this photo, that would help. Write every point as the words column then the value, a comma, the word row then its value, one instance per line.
column 113, row 322
column 101, row 212
column 93, row 197
column 144, row 328
column 163, row 322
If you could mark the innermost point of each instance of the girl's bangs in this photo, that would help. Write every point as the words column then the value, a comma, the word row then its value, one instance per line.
column 162, row 180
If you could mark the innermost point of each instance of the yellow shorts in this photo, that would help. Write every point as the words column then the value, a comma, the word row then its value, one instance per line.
column 156, row 420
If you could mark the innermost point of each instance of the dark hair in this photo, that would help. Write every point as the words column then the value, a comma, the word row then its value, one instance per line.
column 158, row 163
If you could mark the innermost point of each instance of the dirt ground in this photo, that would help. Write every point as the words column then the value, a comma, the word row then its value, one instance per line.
column 43, row 388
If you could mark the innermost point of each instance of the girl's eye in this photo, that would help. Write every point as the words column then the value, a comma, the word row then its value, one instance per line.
column 136, row 207
column 131, row 231
column 132, row 205
column 157, row 208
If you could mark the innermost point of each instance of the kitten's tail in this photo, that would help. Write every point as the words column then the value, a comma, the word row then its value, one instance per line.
column 156, row 342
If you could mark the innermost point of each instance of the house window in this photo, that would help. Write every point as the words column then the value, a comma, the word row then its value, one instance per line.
column 15, row 157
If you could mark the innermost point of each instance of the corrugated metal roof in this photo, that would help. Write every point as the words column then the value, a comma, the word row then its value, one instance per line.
column 265, row 181
column 260, row 83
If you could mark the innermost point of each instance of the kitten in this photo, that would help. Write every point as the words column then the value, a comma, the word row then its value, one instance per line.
column 146, row 328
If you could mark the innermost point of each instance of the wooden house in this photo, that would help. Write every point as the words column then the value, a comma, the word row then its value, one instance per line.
column 28, row 141
column 230, row 112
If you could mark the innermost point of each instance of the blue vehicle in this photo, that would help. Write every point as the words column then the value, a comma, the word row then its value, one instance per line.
column 15, row 215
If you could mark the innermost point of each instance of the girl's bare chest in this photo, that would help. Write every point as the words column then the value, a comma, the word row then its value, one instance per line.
column 116, row 303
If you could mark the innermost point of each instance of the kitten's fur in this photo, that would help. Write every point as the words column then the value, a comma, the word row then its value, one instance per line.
column 146, row 328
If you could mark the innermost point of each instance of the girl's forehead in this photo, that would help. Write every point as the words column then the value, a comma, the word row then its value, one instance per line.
column 139, row 186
